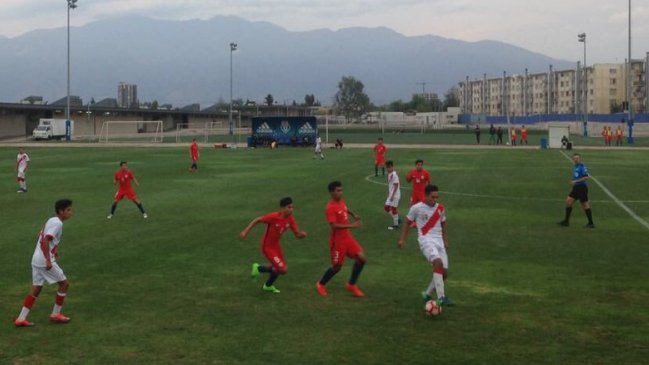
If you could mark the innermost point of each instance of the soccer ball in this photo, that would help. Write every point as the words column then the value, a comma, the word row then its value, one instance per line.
column 432, row 308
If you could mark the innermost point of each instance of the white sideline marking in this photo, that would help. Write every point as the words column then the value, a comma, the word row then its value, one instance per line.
column 615, row 199
column 502, row 197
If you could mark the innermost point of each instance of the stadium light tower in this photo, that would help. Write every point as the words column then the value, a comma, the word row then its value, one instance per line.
column 629, row 88
column 233, row 47
column 72, row 4
column 582, row 38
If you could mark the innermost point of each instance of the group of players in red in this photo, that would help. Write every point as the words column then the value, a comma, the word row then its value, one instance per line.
column 341, row 242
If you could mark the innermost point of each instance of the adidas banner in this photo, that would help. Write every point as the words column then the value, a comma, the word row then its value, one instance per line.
column 285, row 130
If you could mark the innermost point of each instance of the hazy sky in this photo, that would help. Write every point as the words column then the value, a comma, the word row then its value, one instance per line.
column 546, row 26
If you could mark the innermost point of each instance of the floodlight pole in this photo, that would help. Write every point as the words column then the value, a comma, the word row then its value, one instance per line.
column 233, row 47
column 629, row 86
column 582, row 38
column 72, row 4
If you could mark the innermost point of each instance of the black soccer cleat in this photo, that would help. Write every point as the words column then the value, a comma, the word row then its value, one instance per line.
column 564, row 223
column 589, row 225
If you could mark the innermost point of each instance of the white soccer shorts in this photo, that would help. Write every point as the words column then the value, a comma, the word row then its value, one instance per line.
column 433, row 249
column 54, row 275
column 21, row 174
column 393, row 203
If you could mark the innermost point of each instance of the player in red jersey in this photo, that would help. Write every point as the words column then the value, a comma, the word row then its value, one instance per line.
column 194, row 154
column 123, row 178
column 379, row 157
column 276, row 224
column 45, row 268
column 341, row 242
column 523, row 135
column 420, row 178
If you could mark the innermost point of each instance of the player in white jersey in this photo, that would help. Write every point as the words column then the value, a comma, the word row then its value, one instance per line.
column 394, row 194
column 45, row 267
column 317, row 148
column 22, row 163
column 430, row 218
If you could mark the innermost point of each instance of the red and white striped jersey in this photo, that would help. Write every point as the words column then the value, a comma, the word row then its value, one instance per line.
column 21, row 161
column 54, row 229
column 429, row 219
column 393, row 178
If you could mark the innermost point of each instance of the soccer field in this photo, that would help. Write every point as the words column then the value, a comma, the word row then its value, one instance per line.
column 176, row 288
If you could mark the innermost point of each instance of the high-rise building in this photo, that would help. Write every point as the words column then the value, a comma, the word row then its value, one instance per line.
column 127, row 95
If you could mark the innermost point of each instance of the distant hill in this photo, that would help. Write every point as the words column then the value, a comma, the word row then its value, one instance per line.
column 183, row 62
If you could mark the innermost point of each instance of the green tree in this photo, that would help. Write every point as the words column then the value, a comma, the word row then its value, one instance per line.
column 351, row 100
column 451, row 99
column 397, row 106
column 155, row 105
column 269, row 100
column 309, row 100
column 422, row 104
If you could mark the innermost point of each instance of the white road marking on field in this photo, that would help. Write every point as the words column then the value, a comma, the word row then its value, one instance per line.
column 615, row 199
column 502, row 197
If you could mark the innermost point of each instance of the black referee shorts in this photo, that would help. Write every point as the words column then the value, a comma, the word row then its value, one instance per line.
column 579, row 192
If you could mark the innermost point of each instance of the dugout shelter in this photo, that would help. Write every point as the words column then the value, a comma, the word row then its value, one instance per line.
column 285, row 130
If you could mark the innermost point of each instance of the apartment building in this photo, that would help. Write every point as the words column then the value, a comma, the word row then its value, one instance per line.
column 597, row 89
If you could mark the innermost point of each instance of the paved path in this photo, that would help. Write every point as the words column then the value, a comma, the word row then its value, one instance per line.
column 76, row 144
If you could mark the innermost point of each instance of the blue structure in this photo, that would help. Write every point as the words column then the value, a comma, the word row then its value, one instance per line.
column 544, row 118
column 68, row 130
column 284, row 130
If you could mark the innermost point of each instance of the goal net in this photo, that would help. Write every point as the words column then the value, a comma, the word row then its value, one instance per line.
column 556, row 131
column 186, row 132
column 131, row 131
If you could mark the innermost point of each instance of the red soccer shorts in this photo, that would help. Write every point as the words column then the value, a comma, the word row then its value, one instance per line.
column 417, row 198
column 129, row 193
column 276, row 258
column 380, row 161
column 390, row 209
column 345, row 247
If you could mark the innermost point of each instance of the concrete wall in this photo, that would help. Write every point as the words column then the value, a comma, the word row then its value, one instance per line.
column 12, row 125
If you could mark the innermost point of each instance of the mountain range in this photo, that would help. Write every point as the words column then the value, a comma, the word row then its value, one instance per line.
column 183, row 62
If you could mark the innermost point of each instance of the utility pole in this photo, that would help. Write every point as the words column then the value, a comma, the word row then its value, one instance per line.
column 423, row 87
column 525, row 93
column 233, row 47
column 550, row 77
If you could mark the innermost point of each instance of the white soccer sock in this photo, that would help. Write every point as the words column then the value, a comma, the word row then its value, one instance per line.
column 395, row 218
column 56, row 310
column 24, row 313
column 438, row 279
column 431, row 287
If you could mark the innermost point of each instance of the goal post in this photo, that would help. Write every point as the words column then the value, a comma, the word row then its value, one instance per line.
column 114, row 131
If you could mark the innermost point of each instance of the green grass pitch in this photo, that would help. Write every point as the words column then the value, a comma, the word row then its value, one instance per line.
column 175, row 288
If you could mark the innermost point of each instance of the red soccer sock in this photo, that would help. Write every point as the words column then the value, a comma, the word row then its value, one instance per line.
column 58, row 303
column 60, row 297
column 29, row 301
column 27, row 306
